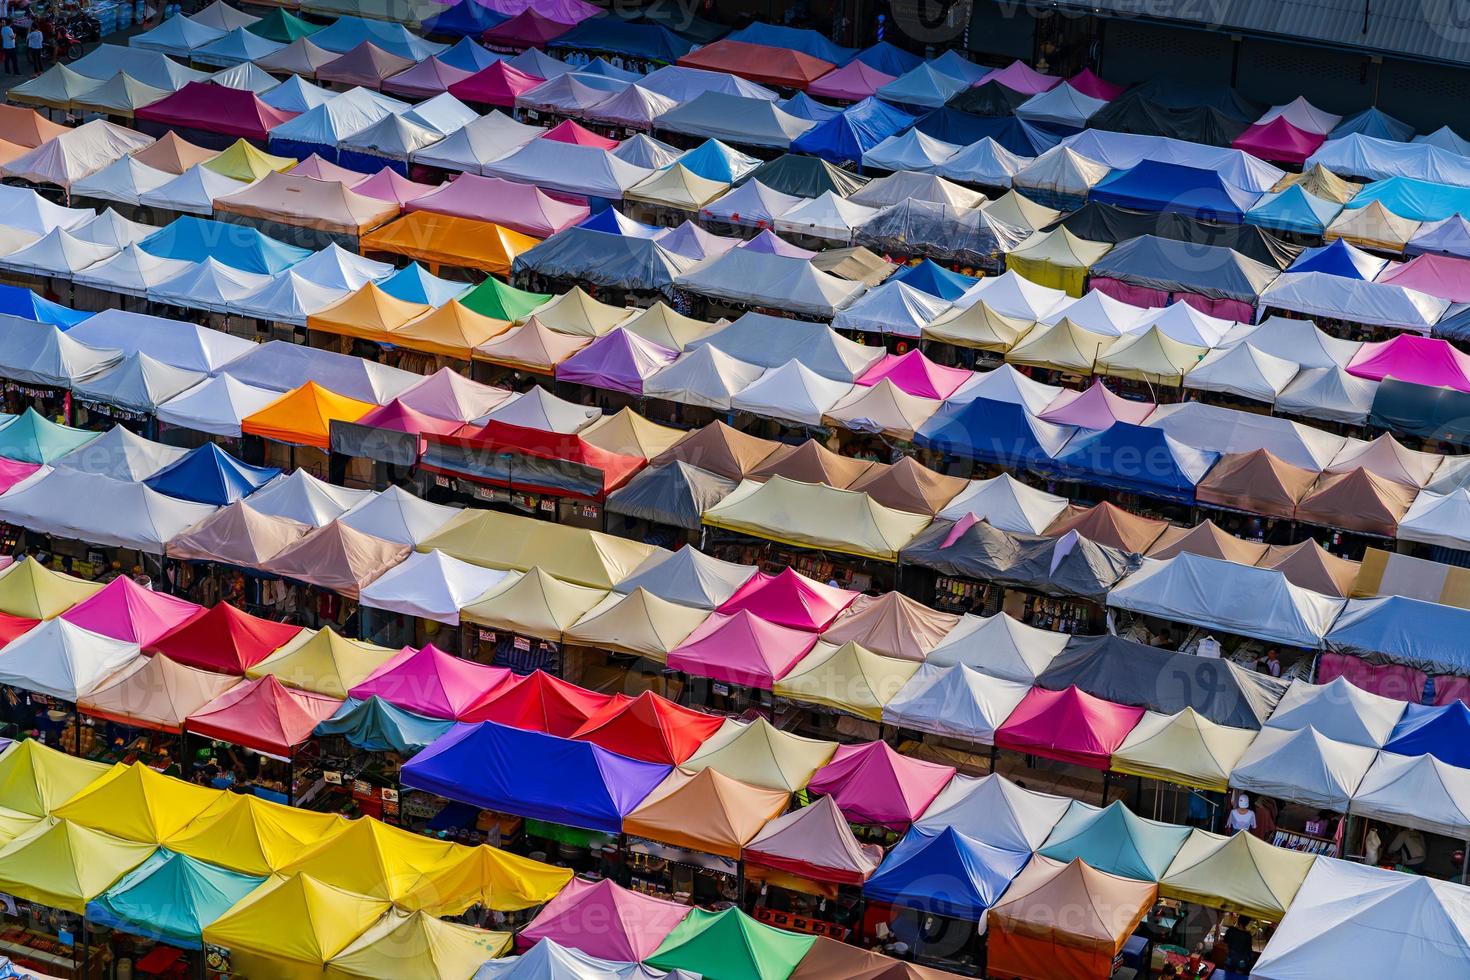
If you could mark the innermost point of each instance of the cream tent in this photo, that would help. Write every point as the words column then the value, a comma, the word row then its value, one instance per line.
column 75, row 154
column 118, row 96
column 534, row 604
column 323, row 205
column 1243, row 371
column 1241, row 873
column 63, row 661
column 996, row 811
column 816, row 516
column 577, row 314
column 706, row 377
column 1020, row 212
column 1062, row 346
column 1184, row 748
column 323, row 662
column 1421, row 792
column 999, row 646
column 955, row 702
column 430, row 585
column 757, row 752
column 1303, row 766
column 847, row 678
column 1152, row 356
column 1060, row 176
column 793, row 393
column 1006, row 503
column 667, row 328
column 882, row 408
column 638, row 623
column 1388, row 458
column 1373, row 227
column 978, row 326
column 676, row 187
column 892, row 625
column 688, row 577
column 1338, row 710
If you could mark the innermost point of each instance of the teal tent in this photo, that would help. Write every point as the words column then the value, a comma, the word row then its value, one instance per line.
column 33, row 438
column 170, row 898
column 1116, row 840
column 375, row 725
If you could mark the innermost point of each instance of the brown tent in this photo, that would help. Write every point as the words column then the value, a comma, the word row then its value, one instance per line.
column 909, row 485
column 338, row 558
column 237, row 535
column 305, row 202
column 720, row 450
column 173, row 154
column 1357, row 501
column 366, row 65
column 892, row 625
column 705, row 811
column 829, row 959
column 1208, row 539
column 1109, row 525
column 812, row 462
column 1257, row 482
column 1310, row 566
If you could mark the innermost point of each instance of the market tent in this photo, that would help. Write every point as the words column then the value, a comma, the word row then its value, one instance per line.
column 134, row 802
column 813, row 843
column 1388, row 458
column 435, row 947
column 586, row 171
column 1240, row 873
column 1060, row 176
column 35, row 779
column 923, row 86
column 243, row 249
column 1096, row 458
column 322, row 205
column 1336, row 297
column 1437, row 275
column 138, row 517
column 1422, row 792
column 1378, row 630
column 791, row 393
column 125, row 610
column 430, row 585
column 845, row 137
column 375, row 725
column 1154, row 186
column 769, row 342
column 908, row 485
column 741, row 648
column 1108, row 524
column 1293, row 210
column 1005, row 503
column 1242, row 371
column 528, row 210
column 1114, row 840
column 999, row 646
column 304, row 416
column 1432, row 730
column 636, row 623
column 31, row 590
column 63, row 865
column 237, row 535
column 955, row 702
column 846, row 678
column 853, row 523
column 945, row 874
column 688, row 577
column 1357, row 501
column 219, row 115
column 603, row 919
column 169, row 898
column 431, row 682
column 139, row 384
column 119, row 454
column 729, row 811
column 534, row 604
column 1278, row 140
column 1374, row 227
column 263, row 715
column 1069, row 726
column 1058, row 259
column 1303, row 765
column 541, row 703
column 832, row 959
column 892, row 625
column 731, row 945
column 209, row 475
column 125, row 181
column 757, row 752
column 673, row 493
column 1232, row 432
column 650, row 728
column 323, row 662
column 223, row 639
column 1417, row 360
column 812, row 462
column 873, row 784
column 1184, row 747
column 447, row 394
column 156, row 693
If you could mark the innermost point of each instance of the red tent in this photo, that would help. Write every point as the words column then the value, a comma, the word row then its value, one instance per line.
column 431, row 682
column 568, row 131
column 527, row 29
column 498, row 84
column 781, row 67
column 1278, row 141
column 224, row 640
column 1069, row 726
column 651, row 728
column 790, row 599
column 539, row 702
column 213, row 109
column 264, row 715
column 12, row 627
column 873, row 784
column 580, row 479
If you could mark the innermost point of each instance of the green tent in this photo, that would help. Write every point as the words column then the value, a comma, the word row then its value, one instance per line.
column 282, row 25
column 170, row 898
column 495, row 299
column 1116, row 840
column 730, row 945
column 33, row 438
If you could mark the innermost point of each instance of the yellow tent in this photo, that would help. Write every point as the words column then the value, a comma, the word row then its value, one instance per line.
column 533, row 604
column 676, row 187
column 1151, row 356
column 243, row 161
column 288, row 928
column 1373, row 226
column 304, row 417
column 849, row 678
column 453, row 330
column 1321, row 182
column 638, row 623
column 34, row 591
column 368, row 313
column 630, row 434
column 498, row 540
column 13, row 824
column 579, row 315
column 978, row 326
column 35, row 780
column 1241, row 874
column 490, row 877
column 818, row 516
column 1058, row 259
column 371, row 858
column 323, row 662
column 254, row 836
column 1063, row 346
column 660, row 324
column 757, row 752
column 1019, row 211
column 417, row 946
column 63, row 865
column 137, row 803
column 1185, row 748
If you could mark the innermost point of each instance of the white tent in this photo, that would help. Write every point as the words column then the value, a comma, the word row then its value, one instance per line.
column 288, row 298
column 121, row 455
column 955, row 701
column 830, row 216
column 126, row 181
column 689, row 577
column 491, row 137
column 1244, row 371
column 1124, row 151
column 1354, row 300
column 177, row 36
column 431, row 585
column 78, row 153
column 1100, row 313
column 296, row 94
column 303, row 498
column 191, row 192
column 247, row 76
column 1006, row 503
column 894, row 308
column 217, row 406
column 188, row 346
column 40, row 354
column 25, row 210
column 398, row 516
column 1304, row 116
column 137, row 384
column 548, row 960
column 1421, row 791
column 996, row 811
column 131, row 272
column 1330, row 394
column 984, row 162
column 1221, row 595
column 1303, row 766
column 706, row 376
column 541, row 410
column 1439, row 519
column 1060, row 174
column 209, row 285
column 1006, row 384
column 393, row 137
column 769, row 341
column 58, row 253
column 1446, row 139
column 1185, row 324
column 792, row 393
column 1000, row 646
column 63, row 661
column 111, row 228
column 1011, row 294
column 909, row 150
column 1215, row 428
column 1338, row 710
column 66, row 503
column 338, row 268
column 1301, row 341
column 1061, row 106
column 752, row 203
column 1349, row 920
column 754, row 278
column 589, row 171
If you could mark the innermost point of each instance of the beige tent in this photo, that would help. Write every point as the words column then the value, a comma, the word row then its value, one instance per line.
column 892, row 625
column 1208, row 539
column 706, row 811
column 323, row 662
column 237, row 535
column 629, row 434
column 1063, row 346
column 883, row 407
column 155, row 692
column 325, row 205
column 1257, row 482
column 721, row 450
column 453, row 330
column 533, row 346
column 1057, row 258
column 1106, row 523
column 812, row 462
column 663, row 326
column 338, row 558
column 1241, row 873
column 1373, row 227
column 1019, row 211
column 638, row 623
column 847, row 678
column 978, row 326
column 1184, row 748
column 1311, row 566
column 1151, row 356
column 758, row 752
column 816, row 516
column 534, row 604
column 1321, row 182
column 676, row 187
column 579, row 315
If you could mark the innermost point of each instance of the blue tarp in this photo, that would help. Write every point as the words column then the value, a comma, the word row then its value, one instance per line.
column 1418, row 200
column 375, row 725
column 1426, row 636
column 1136, row 459
column 170, row 898
column 533, row 775
column 803, row 106
column 1339, row 259
column 714, row 160
column 415, row 284
column 888, row 59
column 932, row 278
column 16, row 301
column 944, row 874
column 1190, row 191
column 924, row 86
column 1374, row 122
column 241, row 247
column 847, row 136
column 796, row 39
column 1293, row 210
column 963, row 128
column 346, row 33
column 1440, row 730
column 468, row 55
column 637, row 40
column 612, row 222
column 990, row 431
column 209, row 475
column 603, row 68
column 468, row 18
column 1115, row 840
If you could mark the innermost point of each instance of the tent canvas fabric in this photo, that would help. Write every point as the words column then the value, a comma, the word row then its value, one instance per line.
column 187, row 892
column 758, row 753
column 729, row 813
column 629, row 925
column 431, row 682
column 263, row 715
column 732, row 945
column 945, row 874
column 542, row 703
column 855, row 524
column 1303, row 765
column 873, row 784
column 223, row 639
column 955, row 702
column 1184, row 748
column 1068, row 725
column 375, row 725
column 814, row 842
column 1114, row 840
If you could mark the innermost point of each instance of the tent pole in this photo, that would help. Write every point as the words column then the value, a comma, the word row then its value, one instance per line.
column 1465, row 864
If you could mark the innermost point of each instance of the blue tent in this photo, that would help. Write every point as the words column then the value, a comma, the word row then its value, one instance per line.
column 924, row 87
column 857, row 129
column 1417, row 200
column 376, row 725
column 1374, row 122
column 1440, row 730
column 602, row 68
column 1293, row 210
column 714, row 160
column 1427, row 636
column 636, row 40
column 534, row 775
column 1136, row 459
column 415, row 284
column 944, row 874
column 469, row 56
column 803, row 106
column 1116, row 840
column 468, row 18
column 209, row 475
column 346, row 33
column 990, row 431
column 1339, row 259
column 963, row 128
column 1168, row 187
column 932, row 278
column 800, row 39
column 16, row 301
column 237, row 246
column 613, row 222
column 170, row 898
column 888, row 59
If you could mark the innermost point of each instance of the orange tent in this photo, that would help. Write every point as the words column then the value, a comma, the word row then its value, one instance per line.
column 439, row 239
column 304, row 417
column 26, row 127
column 706, row 811
column 369, row 313
column 173, row 155
column 453, row 330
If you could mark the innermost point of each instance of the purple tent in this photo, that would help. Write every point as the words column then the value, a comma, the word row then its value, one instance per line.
column 618, row 360
column 773, row 244
column 1021, row 77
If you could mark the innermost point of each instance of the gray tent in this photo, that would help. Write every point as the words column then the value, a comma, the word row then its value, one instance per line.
column 1070, row 565
column 672, row 493
column 733, row 119
column 689, row 577
column 771, row 341
column 941, row 231
column 615, row 261
column 1207, row 270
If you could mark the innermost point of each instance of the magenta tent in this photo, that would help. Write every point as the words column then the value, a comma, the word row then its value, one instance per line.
column 1418, row 360
column 431, row 682
column 568, row 131
column 1096, row 408
column 916, row 374
column 1087, row 82
column 426, row 79
column 499, row 84
column 1278, row 141
column 13, row 471
column 604, row 919
column 1438, row 275
column 527, row 29
column 209, row 108
column 815, row 843
column 618, row 361
column 1021, row 77
column 565, row 11
column 872, row 784
column 742, row 649
column 853, row 82
column 519, row 207
column 390, row 185
column 124, row 610
column 790, row 599
column 398, row 417
column 1069, row 726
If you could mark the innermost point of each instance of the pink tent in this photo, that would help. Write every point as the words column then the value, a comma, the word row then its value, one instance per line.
column 527, row 29
column 124, row 610
column 789, row 598
column 1095, row 408
column 578, row 135
column 742, row 649
column 398, row 417
column 389, row 185
column 1438, row 275
column 1087, row 82
column 873, row 784
column 519, row 207
column 814, row 842
column 497, row 84
column 604, row 919
column 1420, row 360
column 447, row 394
column 1069, row 726
column 1278, row 141
column 426, row 79
column 315, row 166
column 12, row 471
column 852, row 82
column 432, row 682
column 1021, row 77
column 916, row 374
column 565, row 11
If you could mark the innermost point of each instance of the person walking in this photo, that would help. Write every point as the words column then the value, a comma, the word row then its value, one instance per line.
column 34, row 40
column 11, row 65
